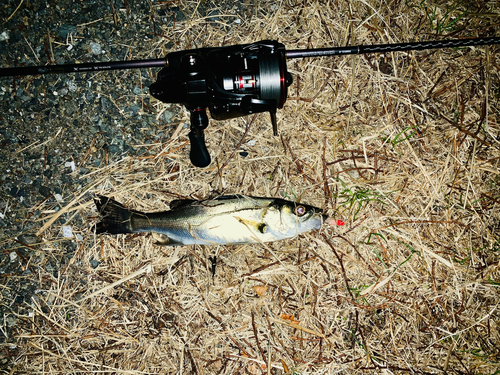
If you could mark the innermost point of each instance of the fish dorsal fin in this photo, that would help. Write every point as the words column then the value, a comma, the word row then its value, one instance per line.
column 256, row 201
column 229, row 196
column 178, row 203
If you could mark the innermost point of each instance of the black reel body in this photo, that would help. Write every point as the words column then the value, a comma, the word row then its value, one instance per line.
column 230, row 81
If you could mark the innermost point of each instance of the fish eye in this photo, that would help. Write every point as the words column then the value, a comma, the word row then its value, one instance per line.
column 300, row 210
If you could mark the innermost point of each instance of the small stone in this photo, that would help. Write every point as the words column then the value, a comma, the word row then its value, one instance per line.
column 114, row 149
column 67, row 232
column 70, row 164
column 28, row 239
column 133, row 110
column 65, row 30
column 167, row 116
column 71, row 86
column 96, row 48
column 11, row 321
column 4, row 36
column 105, row 103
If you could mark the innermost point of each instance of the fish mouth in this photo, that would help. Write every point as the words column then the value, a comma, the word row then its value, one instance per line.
column 323, row 218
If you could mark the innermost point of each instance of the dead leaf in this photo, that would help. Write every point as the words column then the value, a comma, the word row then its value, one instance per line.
column 260, row 289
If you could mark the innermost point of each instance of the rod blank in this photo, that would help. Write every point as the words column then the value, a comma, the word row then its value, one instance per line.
column 397, row 47
column 85, row 67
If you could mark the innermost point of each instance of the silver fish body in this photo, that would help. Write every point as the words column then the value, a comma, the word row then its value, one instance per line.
column 225, row 220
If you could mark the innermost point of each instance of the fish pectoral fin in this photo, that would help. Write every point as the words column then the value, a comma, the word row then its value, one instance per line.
column 260, row 227
column 164, row 240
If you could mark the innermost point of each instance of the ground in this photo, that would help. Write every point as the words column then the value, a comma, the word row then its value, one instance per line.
column 403, row 147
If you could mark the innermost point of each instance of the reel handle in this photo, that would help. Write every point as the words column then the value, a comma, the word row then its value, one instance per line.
column 199, row 154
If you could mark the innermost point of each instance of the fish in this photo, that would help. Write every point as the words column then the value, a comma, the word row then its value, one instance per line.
column 224, row 220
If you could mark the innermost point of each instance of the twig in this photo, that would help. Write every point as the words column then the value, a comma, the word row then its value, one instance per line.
column 12, row 15
column 114, row 13
column 240, row 143
column 341, row 264
column 257, row 337
column 133, row 275
column 296, row 326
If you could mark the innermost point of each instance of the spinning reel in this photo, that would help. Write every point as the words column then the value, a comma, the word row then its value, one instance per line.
column 231, row 81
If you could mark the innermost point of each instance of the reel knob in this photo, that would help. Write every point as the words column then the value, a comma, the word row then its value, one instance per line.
column 199, row 154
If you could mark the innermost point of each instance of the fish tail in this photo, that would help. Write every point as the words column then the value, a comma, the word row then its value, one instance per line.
column 115, row 218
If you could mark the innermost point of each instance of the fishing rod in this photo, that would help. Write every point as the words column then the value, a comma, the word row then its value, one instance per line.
column 231, row 81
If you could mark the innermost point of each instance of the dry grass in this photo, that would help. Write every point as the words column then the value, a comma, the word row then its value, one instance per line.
column 404, row 147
